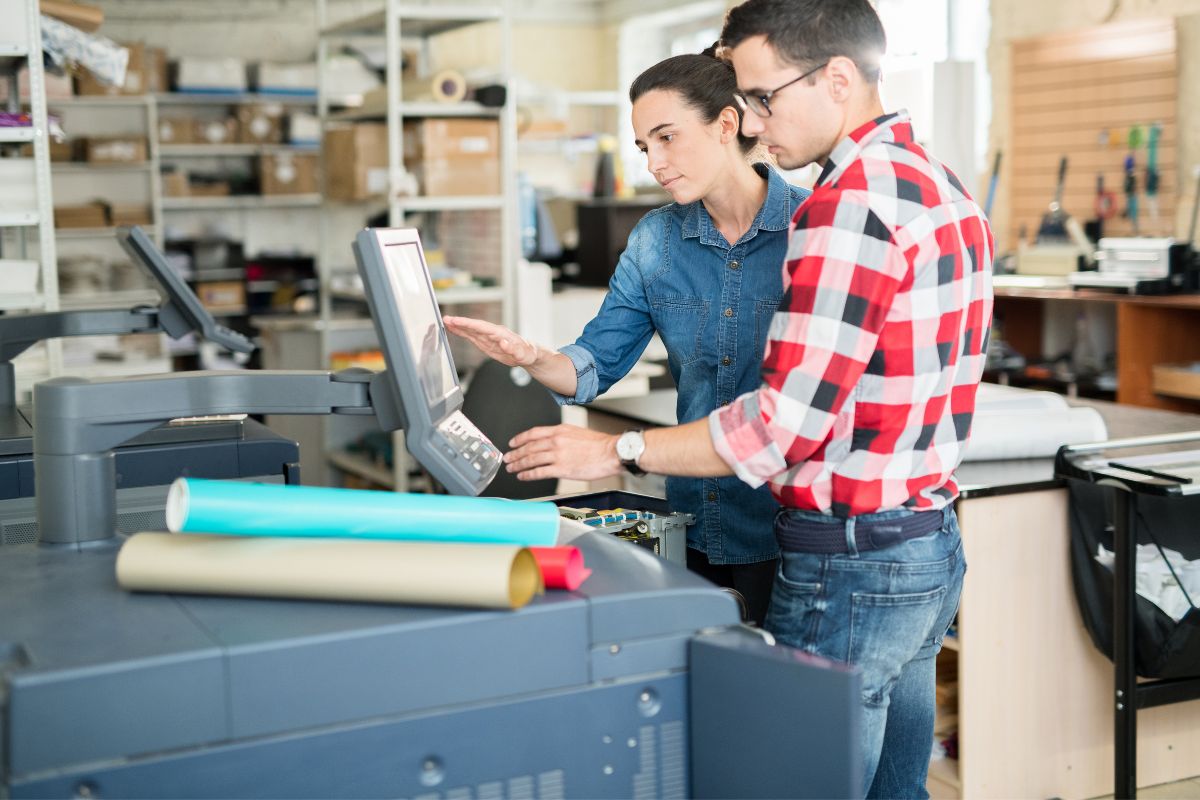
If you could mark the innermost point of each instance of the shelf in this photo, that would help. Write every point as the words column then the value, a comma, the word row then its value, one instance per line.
column 235, row 201
column 469, row 203
column 362, row 467
column 16, row 134
column 414, row 21
column 97, row 233
column 100, row 100
column 121, row 299
column 70, row 167
column 231, row 99
column 463, row 108
column 18, row 219
column 207, row 275
column 10, row 302
column 448, row 297
column 188, row 150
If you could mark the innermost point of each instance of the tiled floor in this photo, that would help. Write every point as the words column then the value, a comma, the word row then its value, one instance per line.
column 1181, row 790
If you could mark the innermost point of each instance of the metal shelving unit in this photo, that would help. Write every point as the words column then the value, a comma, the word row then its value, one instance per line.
column 26, row 202
column 395, row 23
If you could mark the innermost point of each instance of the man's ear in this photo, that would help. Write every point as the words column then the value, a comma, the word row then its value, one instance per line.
column 842, row 75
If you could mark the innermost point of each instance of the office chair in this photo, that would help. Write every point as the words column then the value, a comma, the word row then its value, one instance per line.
column 503, row 401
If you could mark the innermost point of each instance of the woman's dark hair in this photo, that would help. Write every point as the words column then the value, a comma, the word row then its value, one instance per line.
column 807, row 32
column 705, row 82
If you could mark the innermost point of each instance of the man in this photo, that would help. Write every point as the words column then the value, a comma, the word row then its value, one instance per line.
column 869, row 379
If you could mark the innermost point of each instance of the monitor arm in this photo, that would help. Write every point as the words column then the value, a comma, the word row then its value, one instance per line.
column 79, row 422
column 19, row 333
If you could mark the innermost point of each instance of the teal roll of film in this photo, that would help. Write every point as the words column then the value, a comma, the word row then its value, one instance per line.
column 259, row 509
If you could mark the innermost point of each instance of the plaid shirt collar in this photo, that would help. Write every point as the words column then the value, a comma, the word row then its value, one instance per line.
column 775, row 214
column 895, row 127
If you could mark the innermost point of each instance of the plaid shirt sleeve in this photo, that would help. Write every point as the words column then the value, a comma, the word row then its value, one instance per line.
column 843, row 271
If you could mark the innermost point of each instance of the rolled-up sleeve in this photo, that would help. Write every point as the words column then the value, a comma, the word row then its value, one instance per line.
column 617, row 336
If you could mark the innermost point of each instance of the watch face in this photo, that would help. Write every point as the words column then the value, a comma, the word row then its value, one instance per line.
column 630, row 446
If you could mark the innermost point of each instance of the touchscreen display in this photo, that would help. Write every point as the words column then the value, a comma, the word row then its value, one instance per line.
column 422, row 320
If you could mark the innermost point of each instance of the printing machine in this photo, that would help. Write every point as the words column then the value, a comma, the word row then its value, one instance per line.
column 640, row 684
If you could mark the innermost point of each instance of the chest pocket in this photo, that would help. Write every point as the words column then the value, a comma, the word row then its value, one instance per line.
column 764, row 312
column 681, row 322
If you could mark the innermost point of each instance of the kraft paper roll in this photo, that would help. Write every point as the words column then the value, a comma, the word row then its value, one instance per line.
column 447, row 86
column 260, row 509
column 562, row 567
column 482, row 576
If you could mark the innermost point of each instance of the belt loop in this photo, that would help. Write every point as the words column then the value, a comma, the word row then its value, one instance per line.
column 851, row 544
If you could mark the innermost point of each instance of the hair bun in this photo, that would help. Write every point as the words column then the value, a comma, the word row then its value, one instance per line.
column 711, row 50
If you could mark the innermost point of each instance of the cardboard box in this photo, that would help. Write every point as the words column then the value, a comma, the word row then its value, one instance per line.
column 356, row 161
column 208, row 189
column 454, row 156
column 92, row 215
column 175, row 184
column 115, row 150
column 157, row 70
column 297, row 79
column 260, row 123
column 58, row 87
column 176, row 130
column 303, row 128
column 130, row 215
column 222, row 295
column 288, row 173
column 135, row 76
column 455, row 178
column 65, row 150
column 215, row 131
column 210, row 75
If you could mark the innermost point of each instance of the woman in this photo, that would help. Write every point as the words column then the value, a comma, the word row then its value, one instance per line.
column 705, row 273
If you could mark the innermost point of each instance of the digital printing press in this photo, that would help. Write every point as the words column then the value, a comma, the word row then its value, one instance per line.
column 641, row 684
column 146, row 465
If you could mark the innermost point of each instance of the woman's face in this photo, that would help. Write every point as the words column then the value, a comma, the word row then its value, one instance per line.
column 684, row 154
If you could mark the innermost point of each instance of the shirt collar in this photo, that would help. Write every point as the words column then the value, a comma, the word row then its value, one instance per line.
column 774, row 215
column 896, row 128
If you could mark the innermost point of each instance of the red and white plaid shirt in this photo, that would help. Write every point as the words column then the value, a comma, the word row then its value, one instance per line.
column 874, row 356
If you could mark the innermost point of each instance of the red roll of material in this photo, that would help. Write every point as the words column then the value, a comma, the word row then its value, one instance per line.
column 562, row 567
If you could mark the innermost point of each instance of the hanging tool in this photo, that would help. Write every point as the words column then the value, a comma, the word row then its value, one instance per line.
column 1152, row 177
column 991, row 195
column 1131, row 199
column 1106, row 202
column 1053, row 227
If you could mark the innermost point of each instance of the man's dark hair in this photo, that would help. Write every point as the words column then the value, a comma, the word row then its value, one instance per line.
column 806, row 32
column 705, row 82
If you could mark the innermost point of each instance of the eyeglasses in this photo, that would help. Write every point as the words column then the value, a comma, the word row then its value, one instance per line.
column 760, row 104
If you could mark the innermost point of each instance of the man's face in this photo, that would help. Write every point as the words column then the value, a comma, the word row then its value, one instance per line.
column 804, row 122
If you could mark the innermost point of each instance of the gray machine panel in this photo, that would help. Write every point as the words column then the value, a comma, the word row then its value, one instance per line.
column 101, row 675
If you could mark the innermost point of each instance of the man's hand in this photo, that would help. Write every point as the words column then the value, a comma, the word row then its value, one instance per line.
column 563, row 451
column 496, row 341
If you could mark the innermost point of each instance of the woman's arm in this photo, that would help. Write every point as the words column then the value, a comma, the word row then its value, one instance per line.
column 548, row 367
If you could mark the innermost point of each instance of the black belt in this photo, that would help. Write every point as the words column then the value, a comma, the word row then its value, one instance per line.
column 827, row 538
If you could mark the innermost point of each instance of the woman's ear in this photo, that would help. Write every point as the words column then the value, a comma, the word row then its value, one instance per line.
column 729, row 123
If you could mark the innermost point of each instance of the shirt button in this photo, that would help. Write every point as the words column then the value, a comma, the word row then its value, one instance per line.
column 726, row 361
column 712, row 497
column 729, row 312
column 735, row 265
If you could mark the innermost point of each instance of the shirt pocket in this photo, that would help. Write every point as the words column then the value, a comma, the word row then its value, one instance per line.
column 681, row 322
column 764, row 312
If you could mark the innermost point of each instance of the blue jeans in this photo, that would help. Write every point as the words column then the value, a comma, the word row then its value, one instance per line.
column 884, row 611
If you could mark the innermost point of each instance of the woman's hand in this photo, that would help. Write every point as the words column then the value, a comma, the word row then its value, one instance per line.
column 563, row 451
column 496, row 341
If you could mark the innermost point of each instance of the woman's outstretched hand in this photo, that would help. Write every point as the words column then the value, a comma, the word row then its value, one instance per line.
column 496, row 341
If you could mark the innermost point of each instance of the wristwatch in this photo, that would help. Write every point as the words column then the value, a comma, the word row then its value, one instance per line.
column 630, row 446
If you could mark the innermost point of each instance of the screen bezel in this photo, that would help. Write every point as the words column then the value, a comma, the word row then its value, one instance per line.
column 389, row 320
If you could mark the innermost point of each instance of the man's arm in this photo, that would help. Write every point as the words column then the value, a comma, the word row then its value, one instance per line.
column 567, row 451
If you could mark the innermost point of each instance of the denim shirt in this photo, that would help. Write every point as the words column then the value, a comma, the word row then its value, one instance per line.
column 712, row 305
